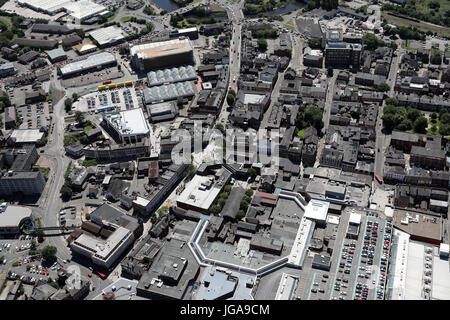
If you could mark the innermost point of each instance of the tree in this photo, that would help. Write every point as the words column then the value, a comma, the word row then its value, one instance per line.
column 252, row 173
column 79, row 117
column 221, row 202
column 49, row 253
column 330, row 72
column 75, row 96
column 68, row 104
column 315, row 43
column 40, row 235
column 383, row 87
column 240, row 214
column 227, row 188
column 391, row 101
column 371, row 41
column 33, row 245
column 220, row 127
column 180, row 102
column 66, row 192
column 262, row 44
column 420, row 125
column 215, row 209
column 314, row 116
column 434, row 116
column 436, row 59
column 412, row 114
column 244, row 205
column 249, row 192
column 230, row 99
column 388, row 121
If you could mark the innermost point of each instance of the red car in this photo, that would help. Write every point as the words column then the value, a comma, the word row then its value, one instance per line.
column 89, row 275
column 46, row 271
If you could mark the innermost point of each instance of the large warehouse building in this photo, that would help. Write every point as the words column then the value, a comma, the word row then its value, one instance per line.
column 91, row 63
column 107, row 36
column 164, row 54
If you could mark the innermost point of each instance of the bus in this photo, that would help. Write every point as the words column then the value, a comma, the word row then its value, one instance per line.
column 107, row 82
column 101, row 275
column 120, row 85
column 234, row 49
column 378, row 179
column 102, row 87
column 112, row 86
column 128, row 83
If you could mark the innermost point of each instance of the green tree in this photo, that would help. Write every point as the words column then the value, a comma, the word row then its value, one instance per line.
column 220, row 127
column 434, row 116
column 436, row 59
column 249, row 192
column 230, row 99
column 252, row 173
column 262, row 44
column 227, row 188
column 420, row 125
column 75, row 96
column 388, row 121
column 243, row 205
column 79, row 117
column 68, row 104
column 180, row 102
column 49, row 253
column 40, row 235
column 240, row 214
column 413, row 114
column 371, row 41
column 313, row 116
column 215, row 209
column 383, row 87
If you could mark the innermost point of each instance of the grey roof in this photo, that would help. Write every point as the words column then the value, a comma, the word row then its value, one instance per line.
column 110, row 214
column 169, row 92
column 172, row 75
column 233, row 202
column 56, row 53
column 92, row 61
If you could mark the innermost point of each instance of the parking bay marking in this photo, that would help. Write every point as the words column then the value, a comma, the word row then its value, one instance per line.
column 359, row 260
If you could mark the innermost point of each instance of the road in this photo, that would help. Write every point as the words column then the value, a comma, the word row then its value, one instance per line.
column 381, row 138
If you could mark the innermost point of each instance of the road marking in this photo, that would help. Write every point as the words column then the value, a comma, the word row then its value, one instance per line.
column 312, row 285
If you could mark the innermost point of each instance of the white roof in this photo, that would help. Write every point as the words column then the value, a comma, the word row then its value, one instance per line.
column 109, row 35
column 287, row 286
column 441, row 279
column 26, row 135
column 195, row 196
column 399, row 264
column 253, row 98
column 128, row 122
column 90, row 62
column 317, row 210
column 300, row 246
column 12, row 216
column 84, row 9
column 141, row 201
column 444, row 248
column 355, row 218
column 45, row 5
column 415, row 271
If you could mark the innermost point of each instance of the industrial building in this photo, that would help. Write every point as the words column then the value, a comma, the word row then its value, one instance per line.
column 109, row 36
column 56, row 55
column 94, row 62
column 159, row 55
column 191, row 33
column 128, row 126
column 172, row 75
column 7, row 69
column 25, row 136
column 169, row 92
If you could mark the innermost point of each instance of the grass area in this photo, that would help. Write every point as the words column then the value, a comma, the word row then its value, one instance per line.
column 290, row 26
column 89, row 163
column 405, row 45
column 422, row 26
column 87, row 128
column 301, row 133
column 6, row 22
column 125, row 19
column 45, row 172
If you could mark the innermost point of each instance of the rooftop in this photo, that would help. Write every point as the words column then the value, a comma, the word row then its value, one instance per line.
column 159, row 49
column 128, row 122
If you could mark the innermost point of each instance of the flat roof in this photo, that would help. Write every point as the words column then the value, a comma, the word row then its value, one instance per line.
column 317, row 210
column 287, row 287
column 196, row 195
column 13, row 215
column 253, row 98
column 90, row 62
column 109, row 35
column 26, row 135
column 102, row 248
column 414, row 271
column 399, row 263
column 441, row 279
column 128, row 122
column 159, row 49
column 45, row 5
column 417, row 224
column 83, row 9
column 55, row 53
column 124, row 289
column 355, row 218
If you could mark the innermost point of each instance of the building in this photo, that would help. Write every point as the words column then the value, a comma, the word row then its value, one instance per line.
column 109, row 234
column 36, row 43
column 191, row 33
column 12, row 218
column 201, row 192
column 354, row 224
column 162, row 111
column 56, row 55
column 27, row 183
column 321, row 261
column 85, row 48
column 106, row 37
column 172, row 75
column 27, row 57
column 107, row 152
column 10, row 118
column 25, row 136
column 128, row 126
column 168, row 92
column 92, row 63
column 432, row 157
column 51, row 28
column 343, row 55
column 7, row 69
column 158, row 55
